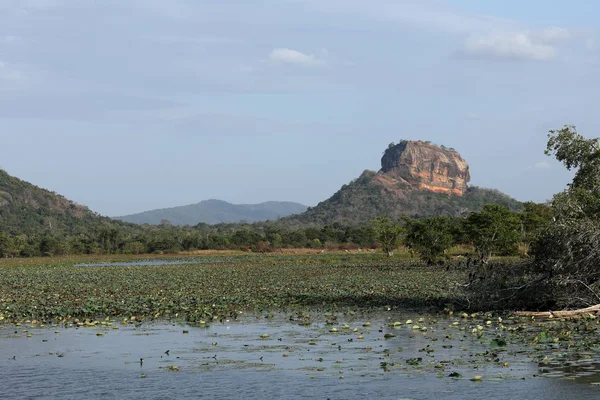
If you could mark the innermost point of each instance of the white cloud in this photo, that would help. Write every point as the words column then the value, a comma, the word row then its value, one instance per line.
column 551, row 36
column 511, row 45
column 294, row 57
column 542, row 165
column 489, row 37
column 471, row 116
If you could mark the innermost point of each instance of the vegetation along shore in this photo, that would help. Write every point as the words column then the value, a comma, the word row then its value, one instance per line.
column 540, row 257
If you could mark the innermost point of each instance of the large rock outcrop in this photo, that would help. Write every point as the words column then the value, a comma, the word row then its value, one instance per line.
column 417, row 179
column 426, row 166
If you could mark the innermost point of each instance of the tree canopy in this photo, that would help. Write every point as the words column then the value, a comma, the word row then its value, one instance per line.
column 430, row 237
column 495, row 229
column 388, row 234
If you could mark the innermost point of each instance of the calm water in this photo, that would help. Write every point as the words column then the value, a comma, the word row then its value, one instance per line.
column 233, row 360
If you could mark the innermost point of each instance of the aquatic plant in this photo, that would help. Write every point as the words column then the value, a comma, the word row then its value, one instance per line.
column 220, row 287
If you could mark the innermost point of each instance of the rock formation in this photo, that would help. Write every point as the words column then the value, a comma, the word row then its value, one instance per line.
column 425, row 166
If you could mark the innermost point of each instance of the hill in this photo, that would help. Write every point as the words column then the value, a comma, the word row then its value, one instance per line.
column 216, row 211
column 30, row 210
column 417, row 179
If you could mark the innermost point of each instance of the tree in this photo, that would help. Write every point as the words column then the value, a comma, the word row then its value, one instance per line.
column 388, row 234
column 430, row 237
column 582, row 198
column 8, row 247
column 164, row 240
column 495, row 229
column 134, row 248
column 575, row 151
column 534, row 218
column 49, row 246
column 566, row 252
column 564, row 272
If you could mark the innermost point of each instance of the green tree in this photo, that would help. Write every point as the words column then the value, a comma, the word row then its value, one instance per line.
column 21, row 242
column 245, row 237
column 582, row 198
column 164, row 240
column 566, row 252
column 388, row 234
column 564, row 272
column 273, row 237
column 8, row 247
column 575, row 151
column 49, row 246
column 191, row 241
column 134, row 248
column 495, row 229
column 534, row 217
column 430, row 237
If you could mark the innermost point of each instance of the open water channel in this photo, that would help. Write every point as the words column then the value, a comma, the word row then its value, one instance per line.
column 359, row 356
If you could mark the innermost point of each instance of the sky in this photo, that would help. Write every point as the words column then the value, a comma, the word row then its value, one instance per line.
column 132, row 105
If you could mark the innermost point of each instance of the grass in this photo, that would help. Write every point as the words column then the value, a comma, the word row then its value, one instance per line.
column 217, row 285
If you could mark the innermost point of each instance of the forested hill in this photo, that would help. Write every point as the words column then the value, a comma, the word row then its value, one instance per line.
column 367, row 198
column 26, row 209
column 417, row 179
column 215, row 212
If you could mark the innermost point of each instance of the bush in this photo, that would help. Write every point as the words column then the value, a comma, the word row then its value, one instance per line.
column 508, row 284
column 566, row 255
column 563, row 274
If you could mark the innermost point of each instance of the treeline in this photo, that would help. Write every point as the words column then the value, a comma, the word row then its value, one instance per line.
column 494, row 230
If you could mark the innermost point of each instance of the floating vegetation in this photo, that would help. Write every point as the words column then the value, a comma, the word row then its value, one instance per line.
column 219, row 288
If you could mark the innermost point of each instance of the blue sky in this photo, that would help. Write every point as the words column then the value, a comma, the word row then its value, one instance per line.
column 129, row 105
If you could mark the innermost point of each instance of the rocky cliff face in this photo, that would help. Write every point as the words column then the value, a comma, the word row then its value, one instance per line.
column 426, row 166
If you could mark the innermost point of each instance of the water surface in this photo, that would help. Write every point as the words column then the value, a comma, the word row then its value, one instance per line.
column 276, row 358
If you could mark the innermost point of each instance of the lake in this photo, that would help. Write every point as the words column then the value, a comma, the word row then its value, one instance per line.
column 286, row 356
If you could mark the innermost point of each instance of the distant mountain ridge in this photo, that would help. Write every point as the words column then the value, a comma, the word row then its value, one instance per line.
column 215, row 212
